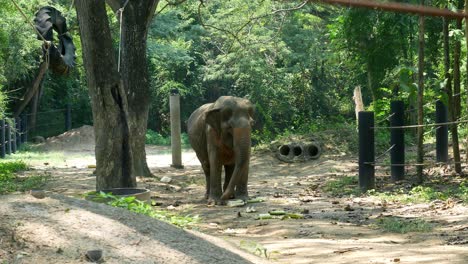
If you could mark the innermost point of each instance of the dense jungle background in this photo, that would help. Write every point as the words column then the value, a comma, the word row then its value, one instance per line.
column 299, row 63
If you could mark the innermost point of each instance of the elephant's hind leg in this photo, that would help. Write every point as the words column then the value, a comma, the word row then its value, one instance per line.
column 206, row 170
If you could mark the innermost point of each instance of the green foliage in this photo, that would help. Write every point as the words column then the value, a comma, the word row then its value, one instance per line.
column 346, row 185
column 403, row 225
column 132, row 204
column 154, row 138
column 425, row 193
column 257, row 249
column 10, row 182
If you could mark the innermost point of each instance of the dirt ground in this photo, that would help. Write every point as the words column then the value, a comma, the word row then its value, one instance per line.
column 334, row 230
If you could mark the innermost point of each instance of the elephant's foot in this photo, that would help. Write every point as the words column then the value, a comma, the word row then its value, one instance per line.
column 216, row 201
column 241, row 193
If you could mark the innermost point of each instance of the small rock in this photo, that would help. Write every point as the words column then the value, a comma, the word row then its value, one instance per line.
column 166, row 179
column 94, row 255
column 250, row 209
column 39, row 194
column 348, row 208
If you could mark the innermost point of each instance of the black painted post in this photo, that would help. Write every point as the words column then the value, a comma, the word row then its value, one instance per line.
column 397, row 140
column 18, row 132
column 366, row 151
column 68, row 120
column 8, row 138
column 13, row 135
column 441, row 132
column 2, row 139
column 24, row 131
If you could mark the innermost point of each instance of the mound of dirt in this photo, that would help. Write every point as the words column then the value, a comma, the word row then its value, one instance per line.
column 77, row 139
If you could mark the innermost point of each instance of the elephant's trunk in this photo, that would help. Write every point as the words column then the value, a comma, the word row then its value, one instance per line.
column 241, row 145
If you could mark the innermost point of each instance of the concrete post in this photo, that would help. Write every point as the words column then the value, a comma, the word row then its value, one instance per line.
column 174, row 105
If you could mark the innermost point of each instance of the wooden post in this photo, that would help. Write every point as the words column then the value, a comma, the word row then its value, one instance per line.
column 397, row 140
column 366, row 151
column 441, row 132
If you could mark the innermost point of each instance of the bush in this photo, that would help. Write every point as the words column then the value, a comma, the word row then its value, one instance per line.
column 9, row 182
column 154, row 138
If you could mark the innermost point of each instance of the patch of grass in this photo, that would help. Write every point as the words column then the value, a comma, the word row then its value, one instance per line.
column 132, row 204
column 10, row 182
column 425, row 193
column 346, row 185
column 257, row 249
column 33, row 155
column 403, row 225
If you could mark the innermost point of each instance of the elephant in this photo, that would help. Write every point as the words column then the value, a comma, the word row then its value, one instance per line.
column 219, row 133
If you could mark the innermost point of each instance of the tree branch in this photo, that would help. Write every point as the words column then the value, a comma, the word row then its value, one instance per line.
column 170, row 4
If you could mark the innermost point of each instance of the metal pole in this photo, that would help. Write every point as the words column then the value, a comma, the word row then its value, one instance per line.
column 2, row 139
column 441, row 132
column 8, row 138
column 366, row 151
column 397, row 140
column 13, row 135
column 174, row 105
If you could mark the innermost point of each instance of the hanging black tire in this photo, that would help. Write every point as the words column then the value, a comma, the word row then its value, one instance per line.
column 62, row 57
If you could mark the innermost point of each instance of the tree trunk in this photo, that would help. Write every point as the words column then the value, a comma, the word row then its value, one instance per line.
column 32, row 90
column 135, row 76
column 420, row 131
column 34, row 106
column 456, row 74
column 120, row 96
column 359, row 105
column 451, row 106
column 108, row 100
column 466, row 83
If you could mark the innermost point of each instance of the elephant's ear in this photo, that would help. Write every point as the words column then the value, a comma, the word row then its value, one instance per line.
column 213, row 118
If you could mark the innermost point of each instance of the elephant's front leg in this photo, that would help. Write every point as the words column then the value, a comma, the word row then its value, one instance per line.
column 215, row 178
column 241, row 187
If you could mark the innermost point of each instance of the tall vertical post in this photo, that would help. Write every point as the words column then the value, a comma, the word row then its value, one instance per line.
column 366, row 150
column 68, row 119
column 8, row 138
column 13, row 135
column 2, row 139
column 397, row 140
column 174, row 105
column 441, row 132
column 18, row 132
column 24, row 131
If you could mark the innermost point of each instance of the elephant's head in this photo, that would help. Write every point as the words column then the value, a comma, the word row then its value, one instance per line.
column 232, row 118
